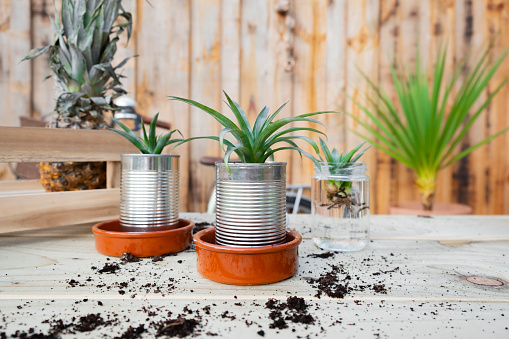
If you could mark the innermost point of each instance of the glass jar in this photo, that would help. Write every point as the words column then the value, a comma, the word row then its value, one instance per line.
column 340, row 205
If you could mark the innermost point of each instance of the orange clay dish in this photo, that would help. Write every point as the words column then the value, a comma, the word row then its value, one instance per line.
column 109, row 241
column 246, row 265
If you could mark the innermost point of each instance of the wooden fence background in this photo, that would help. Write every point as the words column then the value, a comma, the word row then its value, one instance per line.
column 260, row 57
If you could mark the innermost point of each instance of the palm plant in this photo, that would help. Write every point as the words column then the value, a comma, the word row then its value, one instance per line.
column 151, row 143
column 256, row 144
column 434, row 120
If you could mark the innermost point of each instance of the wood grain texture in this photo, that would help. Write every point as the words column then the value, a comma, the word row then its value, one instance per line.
column 346, row 318
column 15, row 77
column 309, row 78
column 165, row 71
column 362, row 43
column 261, row 57
column 113, row 173
column 42, row 210
column 206, row 87
column 430, row 289
column 19, row 144
column 42, row 96
column 13, row 185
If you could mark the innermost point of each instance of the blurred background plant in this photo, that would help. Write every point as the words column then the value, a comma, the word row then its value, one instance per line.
column 427, row 123
column 86, row 83
column 85, row 43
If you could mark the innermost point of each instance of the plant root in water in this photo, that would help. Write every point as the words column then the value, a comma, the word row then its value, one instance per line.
column 341, row 198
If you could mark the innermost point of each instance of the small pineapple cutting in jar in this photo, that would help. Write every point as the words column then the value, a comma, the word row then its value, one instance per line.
column 339, row 193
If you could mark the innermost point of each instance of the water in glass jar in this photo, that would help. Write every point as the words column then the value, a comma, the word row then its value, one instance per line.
column 341, row 214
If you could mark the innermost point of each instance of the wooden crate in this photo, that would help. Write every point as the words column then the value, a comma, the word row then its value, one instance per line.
column 24, row 206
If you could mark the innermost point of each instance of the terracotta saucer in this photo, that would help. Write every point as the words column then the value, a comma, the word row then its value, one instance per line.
column 246, row 265
column 109, row 241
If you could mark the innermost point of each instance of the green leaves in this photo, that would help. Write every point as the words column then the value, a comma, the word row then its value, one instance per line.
column 85, row 43
column 431, row 122
column 336, row 160
column 255, row 144
column 151, row 143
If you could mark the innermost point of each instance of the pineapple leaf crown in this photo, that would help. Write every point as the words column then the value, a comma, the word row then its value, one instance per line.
column 338, row 160
column 151, row 143
column 85, row 43
column 257, row 143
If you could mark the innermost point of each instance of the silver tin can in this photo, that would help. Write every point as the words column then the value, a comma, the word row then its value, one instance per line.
column 149, row 192
column 251, row 204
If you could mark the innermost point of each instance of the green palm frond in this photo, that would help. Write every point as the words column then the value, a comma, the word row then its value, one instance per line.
column 433, row 120
column 151, row 143
column 256, row 144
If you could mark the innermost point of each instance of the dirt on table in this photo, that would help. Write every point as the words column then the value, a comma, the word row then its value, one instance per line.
column 179, row 327
column 128, row 257
column 120, row 275
column 324, row 255
column 294, row 310
column 200, row 226
column 132, row 332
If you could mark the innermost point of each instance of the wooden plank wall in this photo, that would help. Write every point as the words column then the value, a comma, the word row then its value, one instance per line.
column 198, row 48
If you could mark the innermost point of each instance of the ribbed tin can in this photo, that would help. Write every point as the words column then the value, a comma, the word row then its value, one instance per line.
column 251, row 204
column 149, row 192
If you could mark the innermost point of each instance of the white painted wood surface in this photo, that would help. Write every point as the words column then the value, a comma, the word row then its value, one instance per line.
column 427, row 295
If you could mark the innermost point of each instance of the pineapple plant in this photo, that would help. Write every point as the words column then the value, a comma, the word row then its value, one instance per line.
column 339, row 192
column 151, row 143
column 86, row 82
column 257, row 143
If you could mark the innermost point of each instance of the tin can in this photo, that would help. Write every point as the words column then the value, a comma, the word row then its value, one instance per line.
column 251, row 204
column 149, row 192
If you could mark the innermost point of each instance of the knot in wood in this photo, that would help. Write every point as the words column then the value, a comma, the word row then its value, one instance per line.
column 283, row 7
column 484, row 281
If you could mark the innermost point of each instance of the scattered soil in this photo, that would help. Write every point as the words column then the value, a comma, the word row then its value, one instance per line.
column 157, row 258
column 297, row 304
column 179, row 327
column 336, row 286
column 128, row 257
column 132, row 332
column 109, row 268
column 89, row 323
column 380, row 289
column 324, row 255
column 200, row 226
column 335, row 282
column 294, row 310
column 329, row 284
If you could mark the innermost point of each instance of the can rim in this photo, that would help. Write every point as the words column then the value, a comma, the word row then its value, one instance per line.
column 293, row 239
column 241, row 164
column 149, row 155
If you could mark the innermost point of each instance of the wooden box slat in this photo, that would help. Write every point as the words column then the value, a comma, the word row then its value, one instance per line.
column 41, row 210
column 25, row 206
column 21, row 144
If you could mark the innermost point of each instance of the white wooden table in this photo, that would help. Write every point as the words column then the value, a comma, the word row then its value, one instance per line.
column 444, row 277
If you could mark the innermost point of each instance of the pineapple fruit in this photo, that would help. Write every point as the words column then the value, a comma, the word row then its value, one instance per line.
column 86, row 82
